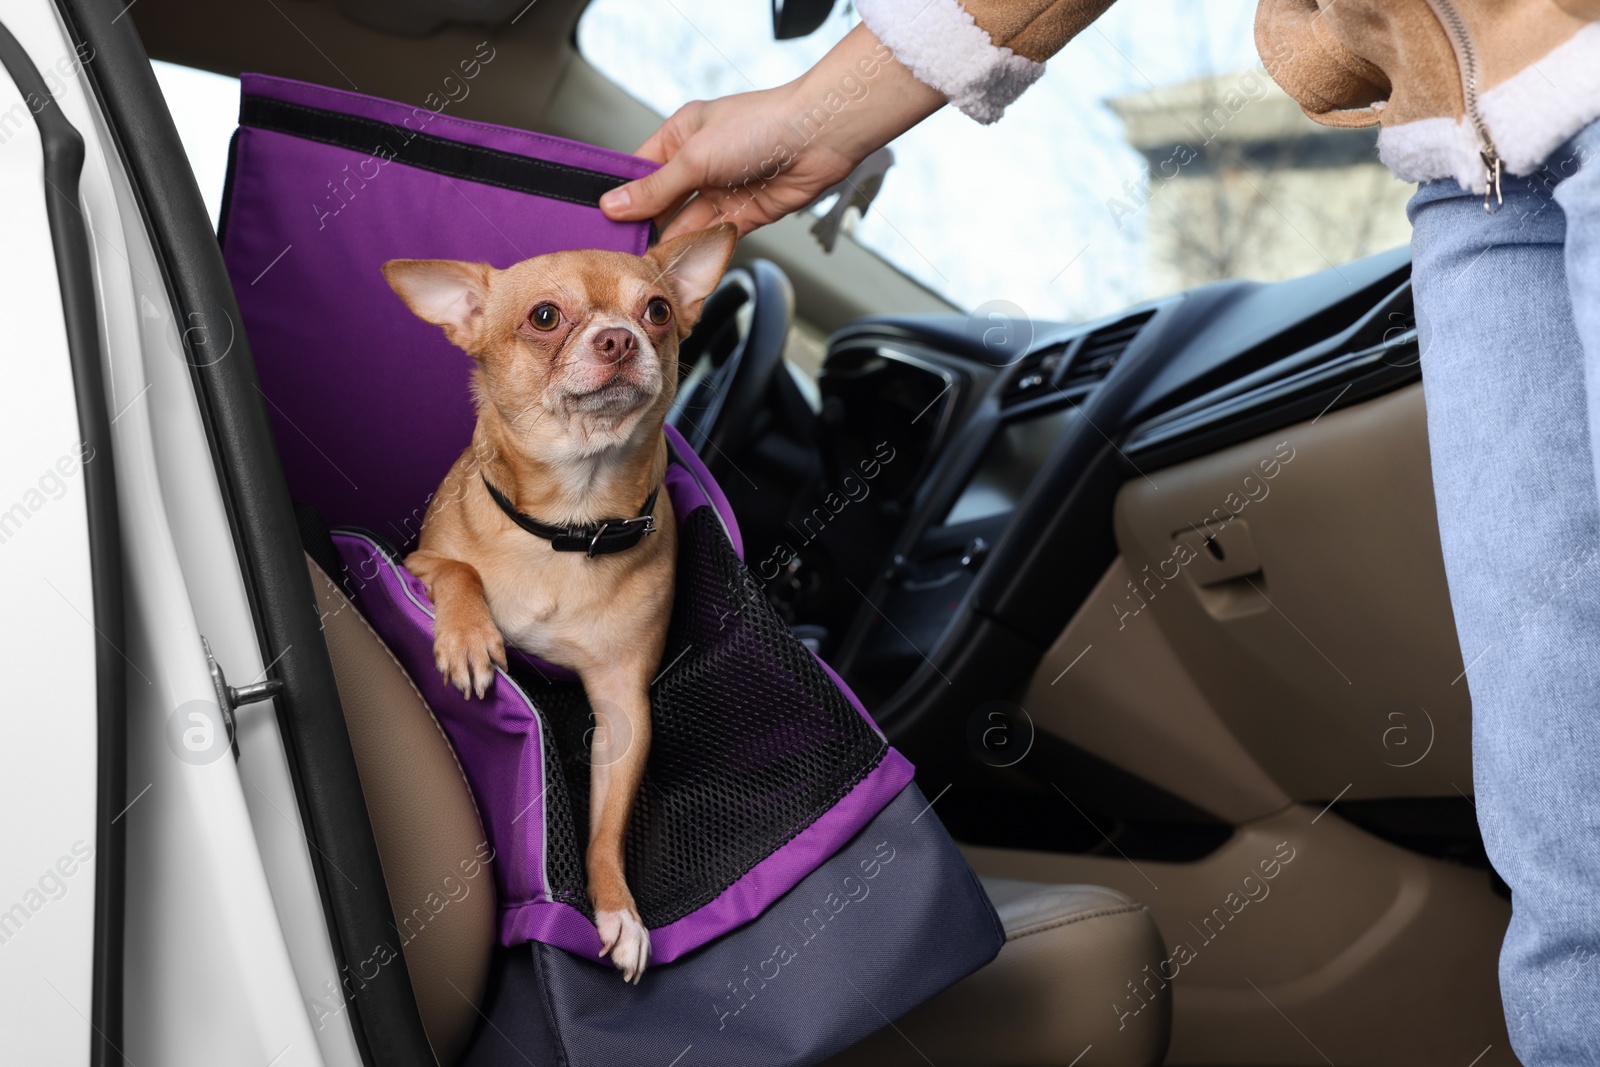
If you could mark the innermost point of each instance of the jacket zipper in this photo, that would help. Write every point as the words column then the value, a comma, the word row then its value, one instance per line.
column 1455, row 27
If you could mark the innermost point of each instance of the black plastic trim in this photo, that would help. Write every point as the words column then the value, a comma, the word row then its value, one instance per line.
column 383, row 1011
column 1287, row 402
column 63, row 164
column 227, row 189
column 1445, row 828
column 488, row 166
column 1049, row 559
column 1058, row 545
column 1375, row 353
column 1064, row 799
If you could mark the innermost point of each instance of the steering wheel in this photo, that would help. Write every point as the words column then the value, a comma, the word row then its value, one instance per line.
column 727, row 363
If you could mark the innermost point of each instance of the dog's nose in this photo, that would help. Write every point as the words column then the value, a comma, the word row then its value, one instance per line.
column 614, row 344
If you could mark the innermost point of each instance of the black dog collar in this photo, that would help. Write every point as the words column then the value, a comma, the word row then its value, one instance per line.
column 596, row 539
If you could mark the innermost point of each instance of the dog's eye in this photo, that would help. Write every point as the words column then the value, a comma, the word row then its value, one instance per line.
column 545, row 318
column 657, row 312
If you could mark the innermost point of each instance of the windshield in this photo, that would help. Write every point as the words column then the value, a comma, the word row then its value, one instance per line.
column 1154, row 155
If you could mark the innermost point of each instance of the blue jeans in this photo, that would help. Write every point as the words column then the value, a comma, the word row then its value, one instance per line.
column 1508, row 310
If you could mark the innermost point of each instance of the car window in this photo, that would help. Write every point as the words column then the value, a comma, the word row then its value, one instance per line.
column 1154, row 155
column 205, row 109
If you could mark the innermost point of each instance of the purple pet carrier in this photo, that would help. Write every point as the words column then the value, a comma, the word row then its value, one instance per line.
column 772, row 807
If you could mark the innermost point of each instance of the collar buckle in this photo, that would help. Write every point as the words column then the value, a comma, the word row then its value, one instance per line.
column 644, row 524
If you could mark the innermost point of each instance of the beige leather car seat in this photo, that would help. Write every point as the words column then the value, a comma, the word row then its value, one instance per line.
column 1057, row 995
column 430, row 837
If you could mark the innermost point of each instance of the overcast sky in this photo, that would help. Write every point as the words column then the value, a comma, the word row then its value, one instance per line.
column 977, row 213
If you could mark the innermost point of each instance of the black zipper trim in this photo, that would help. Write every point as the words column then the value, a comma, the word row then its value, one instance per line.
column 385, row 141
column 63, row 165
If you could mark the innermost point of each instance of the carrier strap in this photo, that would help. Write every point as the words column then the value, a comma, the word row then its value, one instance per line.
column 383, row 141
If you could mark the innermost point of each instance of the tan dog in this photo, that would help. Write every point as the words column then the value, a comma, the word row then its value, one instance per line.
column 577, row 364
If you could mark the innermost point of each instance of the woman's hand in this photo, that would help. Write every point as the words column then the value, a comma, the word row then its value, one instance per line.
column 755, row 157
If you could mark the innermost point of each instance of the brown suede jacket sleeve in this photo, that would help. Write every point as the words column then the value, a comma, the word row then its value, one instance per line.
column 1036, row 29
column 1332, row 84
column 982, row 54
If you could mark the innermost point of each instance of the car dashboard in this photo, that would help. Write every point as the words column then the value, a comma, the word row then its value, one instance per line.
column 971, row 463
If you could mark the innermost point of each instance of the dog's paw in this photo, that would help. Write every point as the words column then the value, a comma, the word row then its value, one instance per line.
column 467, row 655
column 624, row 938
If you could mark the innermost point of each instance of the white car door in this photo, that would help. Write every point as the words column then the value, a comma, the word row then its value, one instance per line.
column 61, row 758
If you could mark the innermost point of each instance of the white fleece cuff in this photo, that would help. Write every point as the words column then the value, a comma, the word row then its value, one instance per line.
column 1529, row 115
column 1536, row 110
column 1433, row 148
column 940, row 43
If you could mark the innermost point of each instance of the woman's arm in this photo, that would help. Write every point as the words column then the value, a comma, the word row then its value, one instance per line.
column 755, row 157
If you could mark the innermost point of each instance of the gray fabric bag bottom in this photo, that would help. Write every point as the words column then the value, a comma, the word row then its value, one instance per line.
column 891, row 919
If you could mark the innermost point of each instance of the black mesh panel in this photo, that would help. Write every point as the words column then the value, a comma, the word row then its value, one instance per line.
column 751, row 742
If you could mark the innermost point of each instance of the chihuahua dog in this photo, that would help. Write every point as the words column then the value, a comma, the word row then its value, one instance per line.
column 552, row 531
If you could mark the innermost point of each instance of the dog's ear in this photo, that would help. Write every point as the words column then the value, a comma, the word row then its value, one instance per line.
column 445, row 292
column 693, row 264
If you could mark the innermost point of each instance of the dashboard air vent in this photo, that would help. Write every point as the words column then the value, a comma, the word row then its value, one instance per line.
column 1033, row 373
column 1102, row 349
